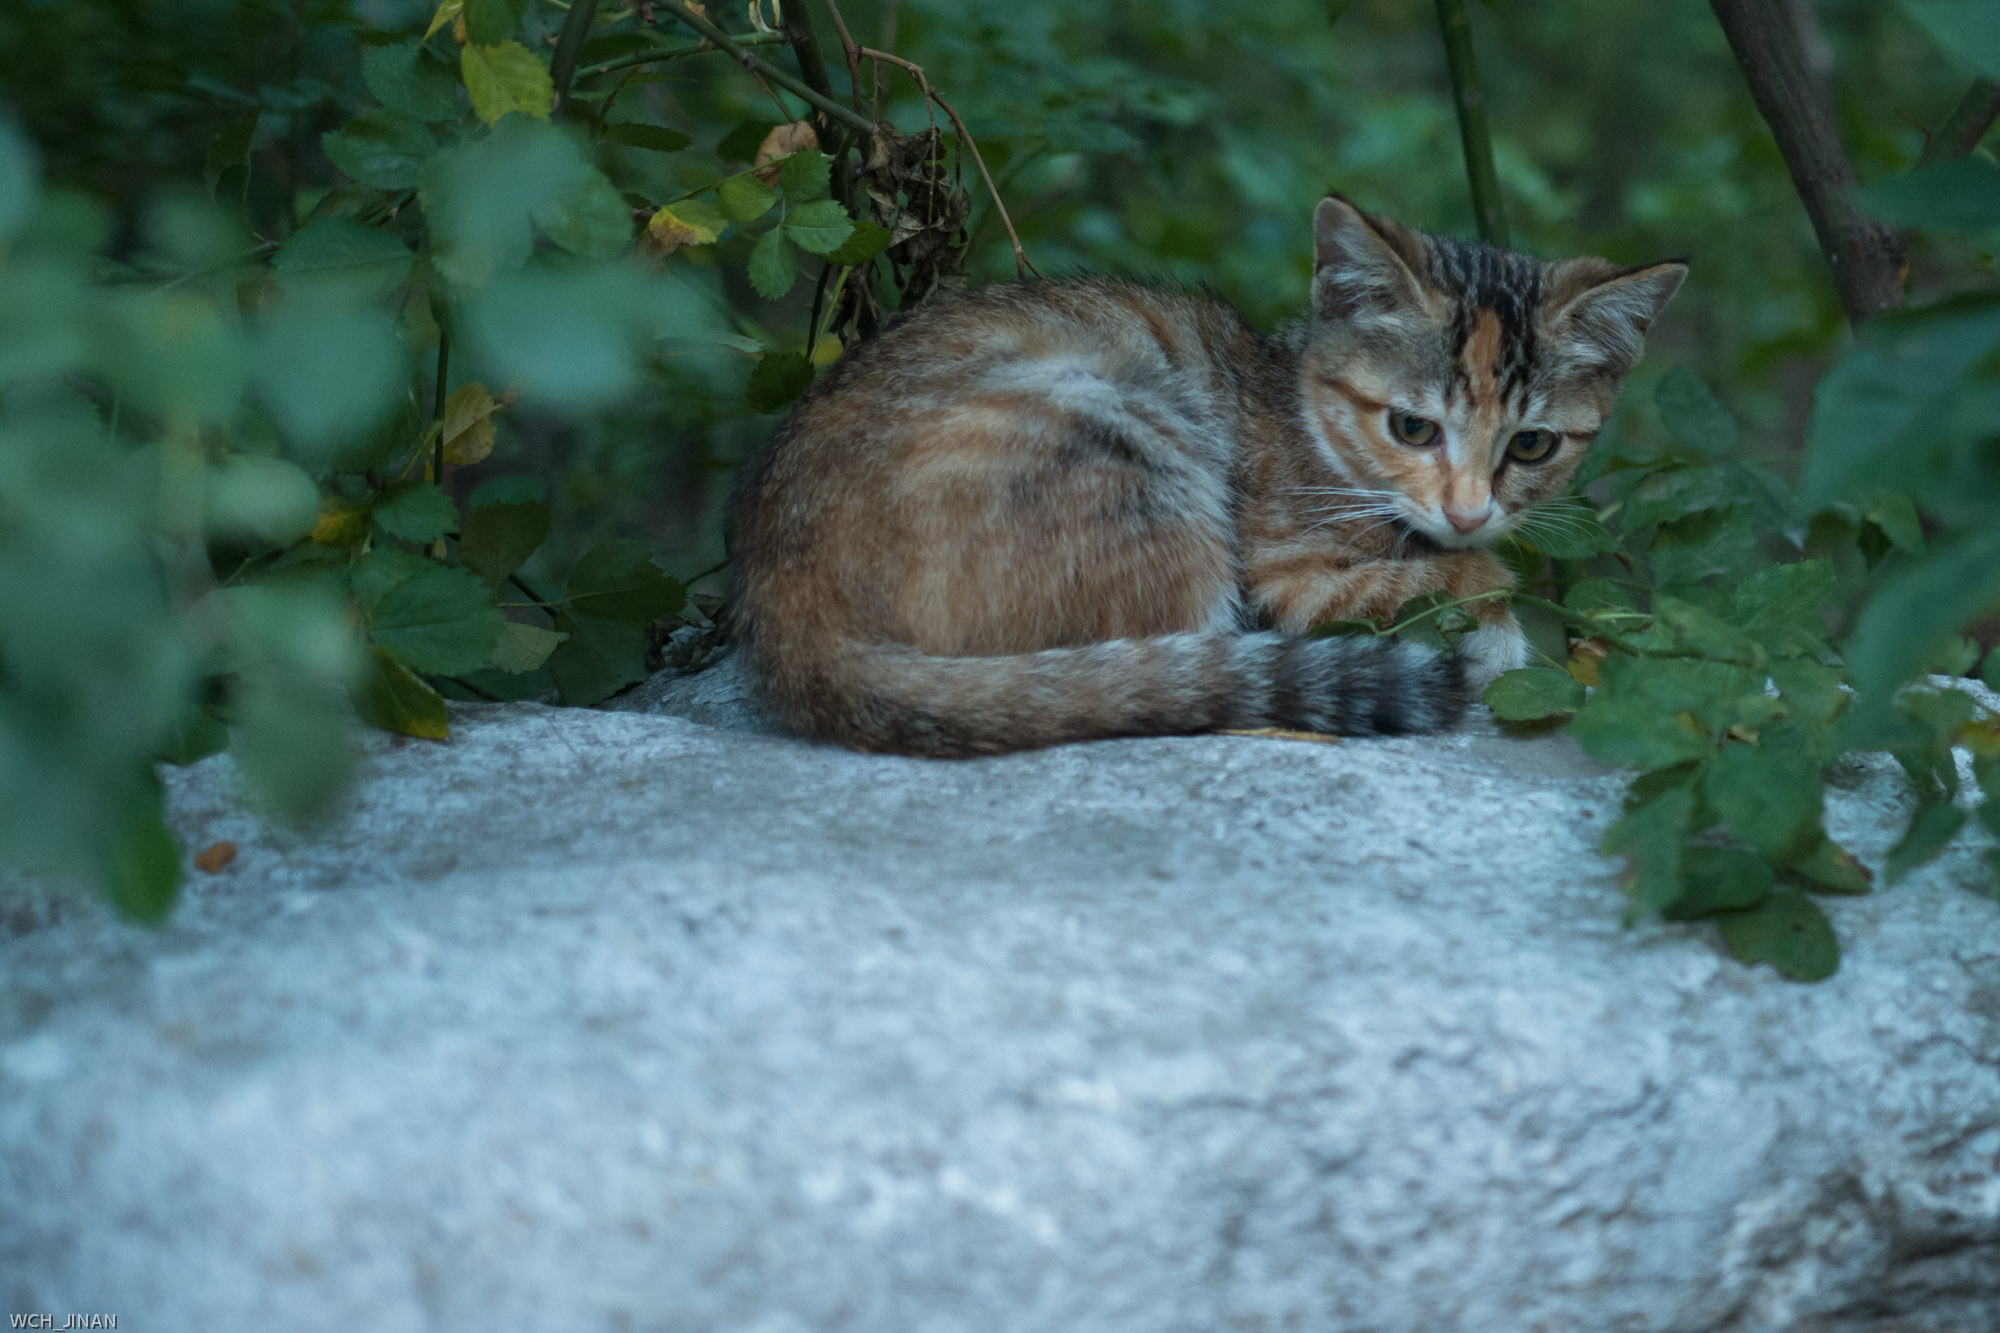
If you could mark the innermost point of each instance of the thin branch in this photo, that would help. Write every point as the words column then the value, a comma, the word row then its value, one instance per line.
column 791, row 83
column 1965, row 126
column 569, row 43
column 850, row 51
column 796, row 22
column 965, row 137
column 1865, row 256
column 1487, row 205
column 666, row 53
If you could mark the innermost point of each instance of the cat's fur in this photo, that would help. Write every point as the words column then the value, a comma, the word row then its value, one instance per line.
column 1054, row 511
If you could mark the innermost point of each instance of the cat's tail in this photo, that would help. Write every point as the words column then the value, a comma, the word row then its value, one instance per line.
column 892, row 698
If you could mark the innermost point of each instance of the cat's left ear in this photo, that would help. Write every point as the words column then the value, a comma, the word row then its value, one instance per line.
column 1602, row 310
column 1364, row 268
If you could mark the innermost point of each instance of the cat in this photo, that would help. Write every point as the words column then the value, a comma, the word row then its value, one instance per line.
column 1058, row 510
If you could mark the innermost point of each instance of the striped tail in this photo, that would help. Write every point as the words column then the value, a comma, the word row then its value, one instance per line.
column 896, row 699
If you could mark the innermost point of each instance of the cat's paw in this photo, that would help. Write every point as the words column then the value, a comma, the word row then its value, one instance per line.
column 1489, row 653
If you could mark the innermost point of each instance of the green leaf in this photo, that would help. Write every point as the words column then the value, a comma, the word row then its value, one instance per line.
column 744, row 198
column 416, row 511
column 192, row 736
column 289, row 740
column 1697, row 633
column 1788, row 931
column 772, row 265
column 589, row 217
column 1917, row 611
column 1652, row 838
column 329, row 375
column 1566, row 529
column 599, row 658
column 820, row 227
column 619, row 581
column 382, row 569
column 1962, row 195
column 142, row 865
column 689, row 222
column 1832, row 869
column 393, row 698
column 491, row 21
column 524, row 647
column 498, row 537
column 1678, row 492
column 804, row 176
column 1968, row 29
column 1811, row 691
column 1719, row 879
column 1533, row 694
column 870, row 238
column 657, row 138
column 382, row 148
column 1692, row 415
column 342, row 261
column 505, row 78
column 409, row 79
column 230, row 149
column 572, row 335
column 513, row 489
column 267, row 499
column 1626, row 727
column 1931, row 827
column 1588, row 595
column 441, row 621
column 1896, row 516
column 1768, row 794
column 780, row 377
column 1702, row 546
column 1781, row 606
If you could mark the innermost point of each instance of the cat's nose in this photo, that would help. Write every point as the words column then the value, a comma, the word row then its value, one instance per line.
column 1465, row 523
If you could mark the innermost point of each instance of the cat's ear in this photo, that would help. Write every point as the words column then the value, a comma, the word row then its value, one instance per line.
column 1364, row 269
column 1599, row 311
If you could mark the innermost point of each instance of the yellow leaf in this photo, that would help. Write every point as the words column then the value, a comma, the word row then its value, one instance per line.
column 781, row 143
column 340, row 523
column 669, row 230
column 458, row 33
column 506, row 78
column 1981, row 736
column 451, row 11
column 1584, row 655
column 468, row 424
column 827, row 351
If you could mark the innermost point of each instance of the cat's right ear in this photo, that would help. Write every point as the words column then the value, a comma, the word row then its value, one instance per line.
column 1360, row 271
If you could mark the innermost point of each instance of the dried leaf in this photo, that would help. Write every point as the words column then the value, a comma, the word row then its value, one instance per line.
column 341, row 523
column 468, row 424
column 690, row 222
column 211, row 859
column 780, row 143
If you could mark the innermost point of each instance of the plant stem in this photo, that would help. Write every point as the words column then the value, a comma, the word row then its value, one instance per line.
column 1966, row 125
column 575, row 29
column 850, row 51
column 437, row 406
column 752, row 62
column 1487, row 205
column 666, row 53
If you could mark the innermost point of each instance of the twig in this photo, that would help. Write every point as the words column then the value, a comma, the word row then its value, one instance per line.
column 1487, row 206
column 795, row 20
column 849, row 50
column 667, row 53
column 1964, row 127
column 437, row 415
column 1865, row 256
column 965, row 137
column 569, row 43
column 791, row 83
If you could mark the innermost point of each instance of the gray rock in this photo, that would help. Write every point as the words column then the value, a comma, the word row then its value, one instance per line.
column 656, row 1020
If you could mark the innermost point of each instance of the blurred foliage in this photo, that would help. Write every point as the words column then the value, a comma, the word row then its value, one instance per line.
column 334, row 344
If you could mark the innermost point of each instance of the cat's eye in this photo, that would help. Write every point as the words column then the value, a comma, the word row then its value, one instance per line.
column 1532, row 446
column 1413, row 430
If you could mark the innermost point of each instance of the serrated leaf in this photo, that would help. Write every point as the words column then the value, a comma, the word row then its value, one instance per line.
column 1832, row 869
column 1692, row 415
column 744, row 198
column 411, row 80
column 1696, row 633
column 498, row 537
column 773, row 265
column 869, row 239
column 620, row 581
column 1781, row 606
column 441, row 621
column 382, row 148
column 819, row 227
column 1768, row 793
column 781, row 144
column 416, row 511
column 468, row 424
column 1636, row 733
column 524, row 647
column 805, row 175
column 335, row 259
column 491, row 21
column 1930, row 828
column 1678, row 492
column 508, row 490
column 1533, row 694
column 656, row 138
column 1786, row 930
column 1719, row 879
column 1702, row 546
column 1652, row 838
column 382, row 569
column 393, row 698
column 690, row 222
column 599, row 658
column 780, row 377
column 505, row 78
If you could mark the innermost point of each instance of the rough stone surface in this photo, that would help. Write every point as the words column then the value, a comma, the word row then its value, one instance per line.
column 655, row 1020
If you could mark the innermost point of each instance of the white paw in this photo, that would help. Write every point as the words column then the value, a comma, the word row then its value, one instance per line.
column 1491, row 652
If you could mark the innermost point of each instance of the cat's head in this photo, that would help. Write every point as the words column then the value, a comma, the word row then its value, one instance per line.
column 1461, row 382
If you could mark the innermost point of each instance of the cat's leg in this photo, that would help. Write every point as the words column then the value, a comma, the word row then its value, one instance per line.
column 1296, row 593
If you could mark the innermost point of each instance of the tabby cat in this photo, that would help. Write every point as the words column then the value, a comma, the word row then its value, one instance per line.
column 1051, row 511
